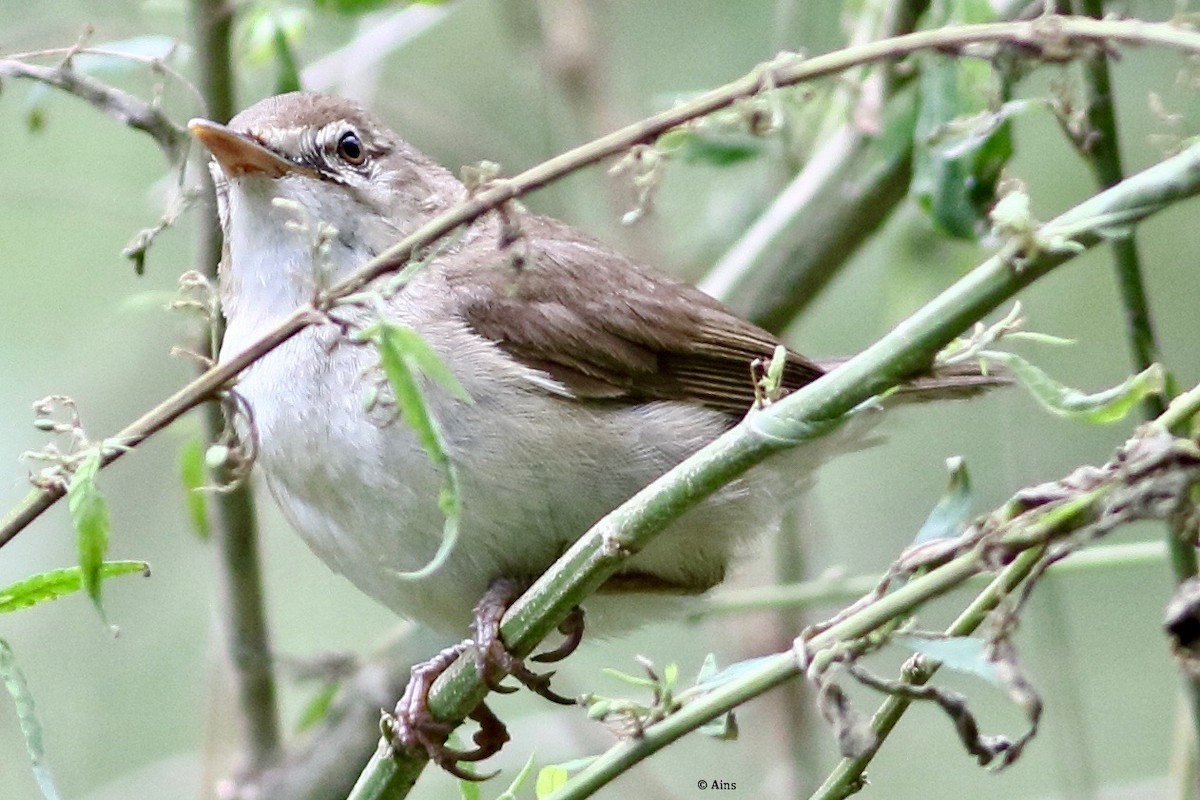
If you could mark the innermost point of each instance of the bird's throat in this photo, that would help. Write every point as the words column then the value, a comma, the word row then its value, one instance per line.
column 286, row 240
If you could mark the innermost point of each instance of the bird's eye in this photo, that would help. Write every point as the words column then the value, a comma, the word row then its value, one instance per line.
column 350, row 149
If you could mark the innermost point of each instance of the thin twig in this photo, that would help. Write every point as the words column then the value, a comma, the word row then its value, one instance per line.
column 243, row 617
column 121, row 106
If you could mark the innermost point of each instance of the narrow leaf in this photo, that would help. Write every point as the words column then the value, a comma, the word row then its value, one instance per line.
column 708, row 669
column 948, row 517
column 710, row 148
column 469, row 790
column 966, row 654
column 17, row 687
column 398, row 363
column 1101, row 408
column 89, row 514
column 59, row 583
column 426, row 361
column 193, row 475
column 632, row 680
column 961, row 145
column 318, row 707
column 513, row 788
column 405, row 356
column 724, row 727
column 350, row 7
column 733, row 672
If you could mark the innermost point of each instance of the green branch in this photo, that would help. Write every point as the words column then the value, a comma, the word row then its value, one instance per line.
column 1102, row 149
column 826, row 591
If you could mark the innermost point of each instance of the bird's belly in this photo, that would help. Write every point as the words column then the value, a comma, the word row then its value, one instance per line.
column 536, row 472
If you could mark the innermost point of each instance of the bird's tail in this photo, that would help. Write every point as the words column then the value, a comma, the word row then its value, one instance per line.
column 952, row 382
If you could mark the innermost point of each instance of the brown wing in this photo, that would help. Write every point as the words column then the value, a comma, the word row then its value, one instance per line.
column 606, row 329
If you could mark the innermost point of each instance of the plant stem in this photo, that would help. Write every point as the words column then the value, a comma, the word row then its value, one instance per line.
column 808, row 233
column 846, row 778
column 235, row 532
column 829, row 591
column 1104, row 155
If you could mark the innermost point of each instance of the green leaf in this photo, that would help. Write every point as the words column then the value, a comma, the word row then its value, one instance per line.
column 1101, row 408
column 288, row 77
column 469, row 790
column 670, row 674
column 398, row 365
column 425, row 360
column 1039, row 338
column 966, row 654
column 576, row 764
column 964, row 12
column 349, row 7
column 961, row 145
column 511, row 792
column 549, row 780
column 60, row 583
column 708, row 669
column 262, row 26
column 724, row 727
column 733, row 672
column 711, row 148
column 31, row 729
column 193, row 475
column 632, row 680
column 318, row 707
column 89, row 514
column 948, row 517
column 405, row 356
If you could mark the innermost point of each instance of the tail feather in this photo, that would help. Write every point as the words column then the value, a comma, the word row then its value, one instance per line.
column 953, row 382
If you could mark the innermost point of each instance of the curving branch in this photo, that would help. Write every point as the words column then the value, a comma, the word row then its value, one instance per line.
column 121, row 106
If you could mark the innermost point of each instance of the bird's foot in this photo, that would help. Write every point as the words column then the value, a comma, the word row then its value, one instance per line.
column 493, row 660
column 414, row 727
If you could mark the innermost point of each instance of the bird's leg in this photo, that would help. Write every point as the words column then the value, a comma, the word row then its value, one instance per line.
column 493, row 660
column 414, row 726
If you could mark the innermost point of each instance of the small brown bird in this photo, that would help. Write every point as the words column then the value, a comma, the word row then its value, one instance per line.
column 588, row 377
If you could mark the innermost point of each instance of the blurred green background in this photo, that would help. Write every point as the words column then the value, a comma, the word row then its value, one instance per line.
column 142, row 713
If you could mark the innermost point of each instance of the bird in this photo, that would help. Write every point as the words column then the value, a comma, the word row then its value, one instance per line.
column 584, row 377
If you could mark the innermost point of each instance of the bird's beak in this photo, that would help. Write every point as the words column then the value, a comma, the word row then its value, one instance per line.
column 238, row 154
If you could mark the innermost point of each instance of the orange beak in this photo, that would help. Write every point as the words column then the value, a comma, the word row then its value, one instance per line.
column 238, row 154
